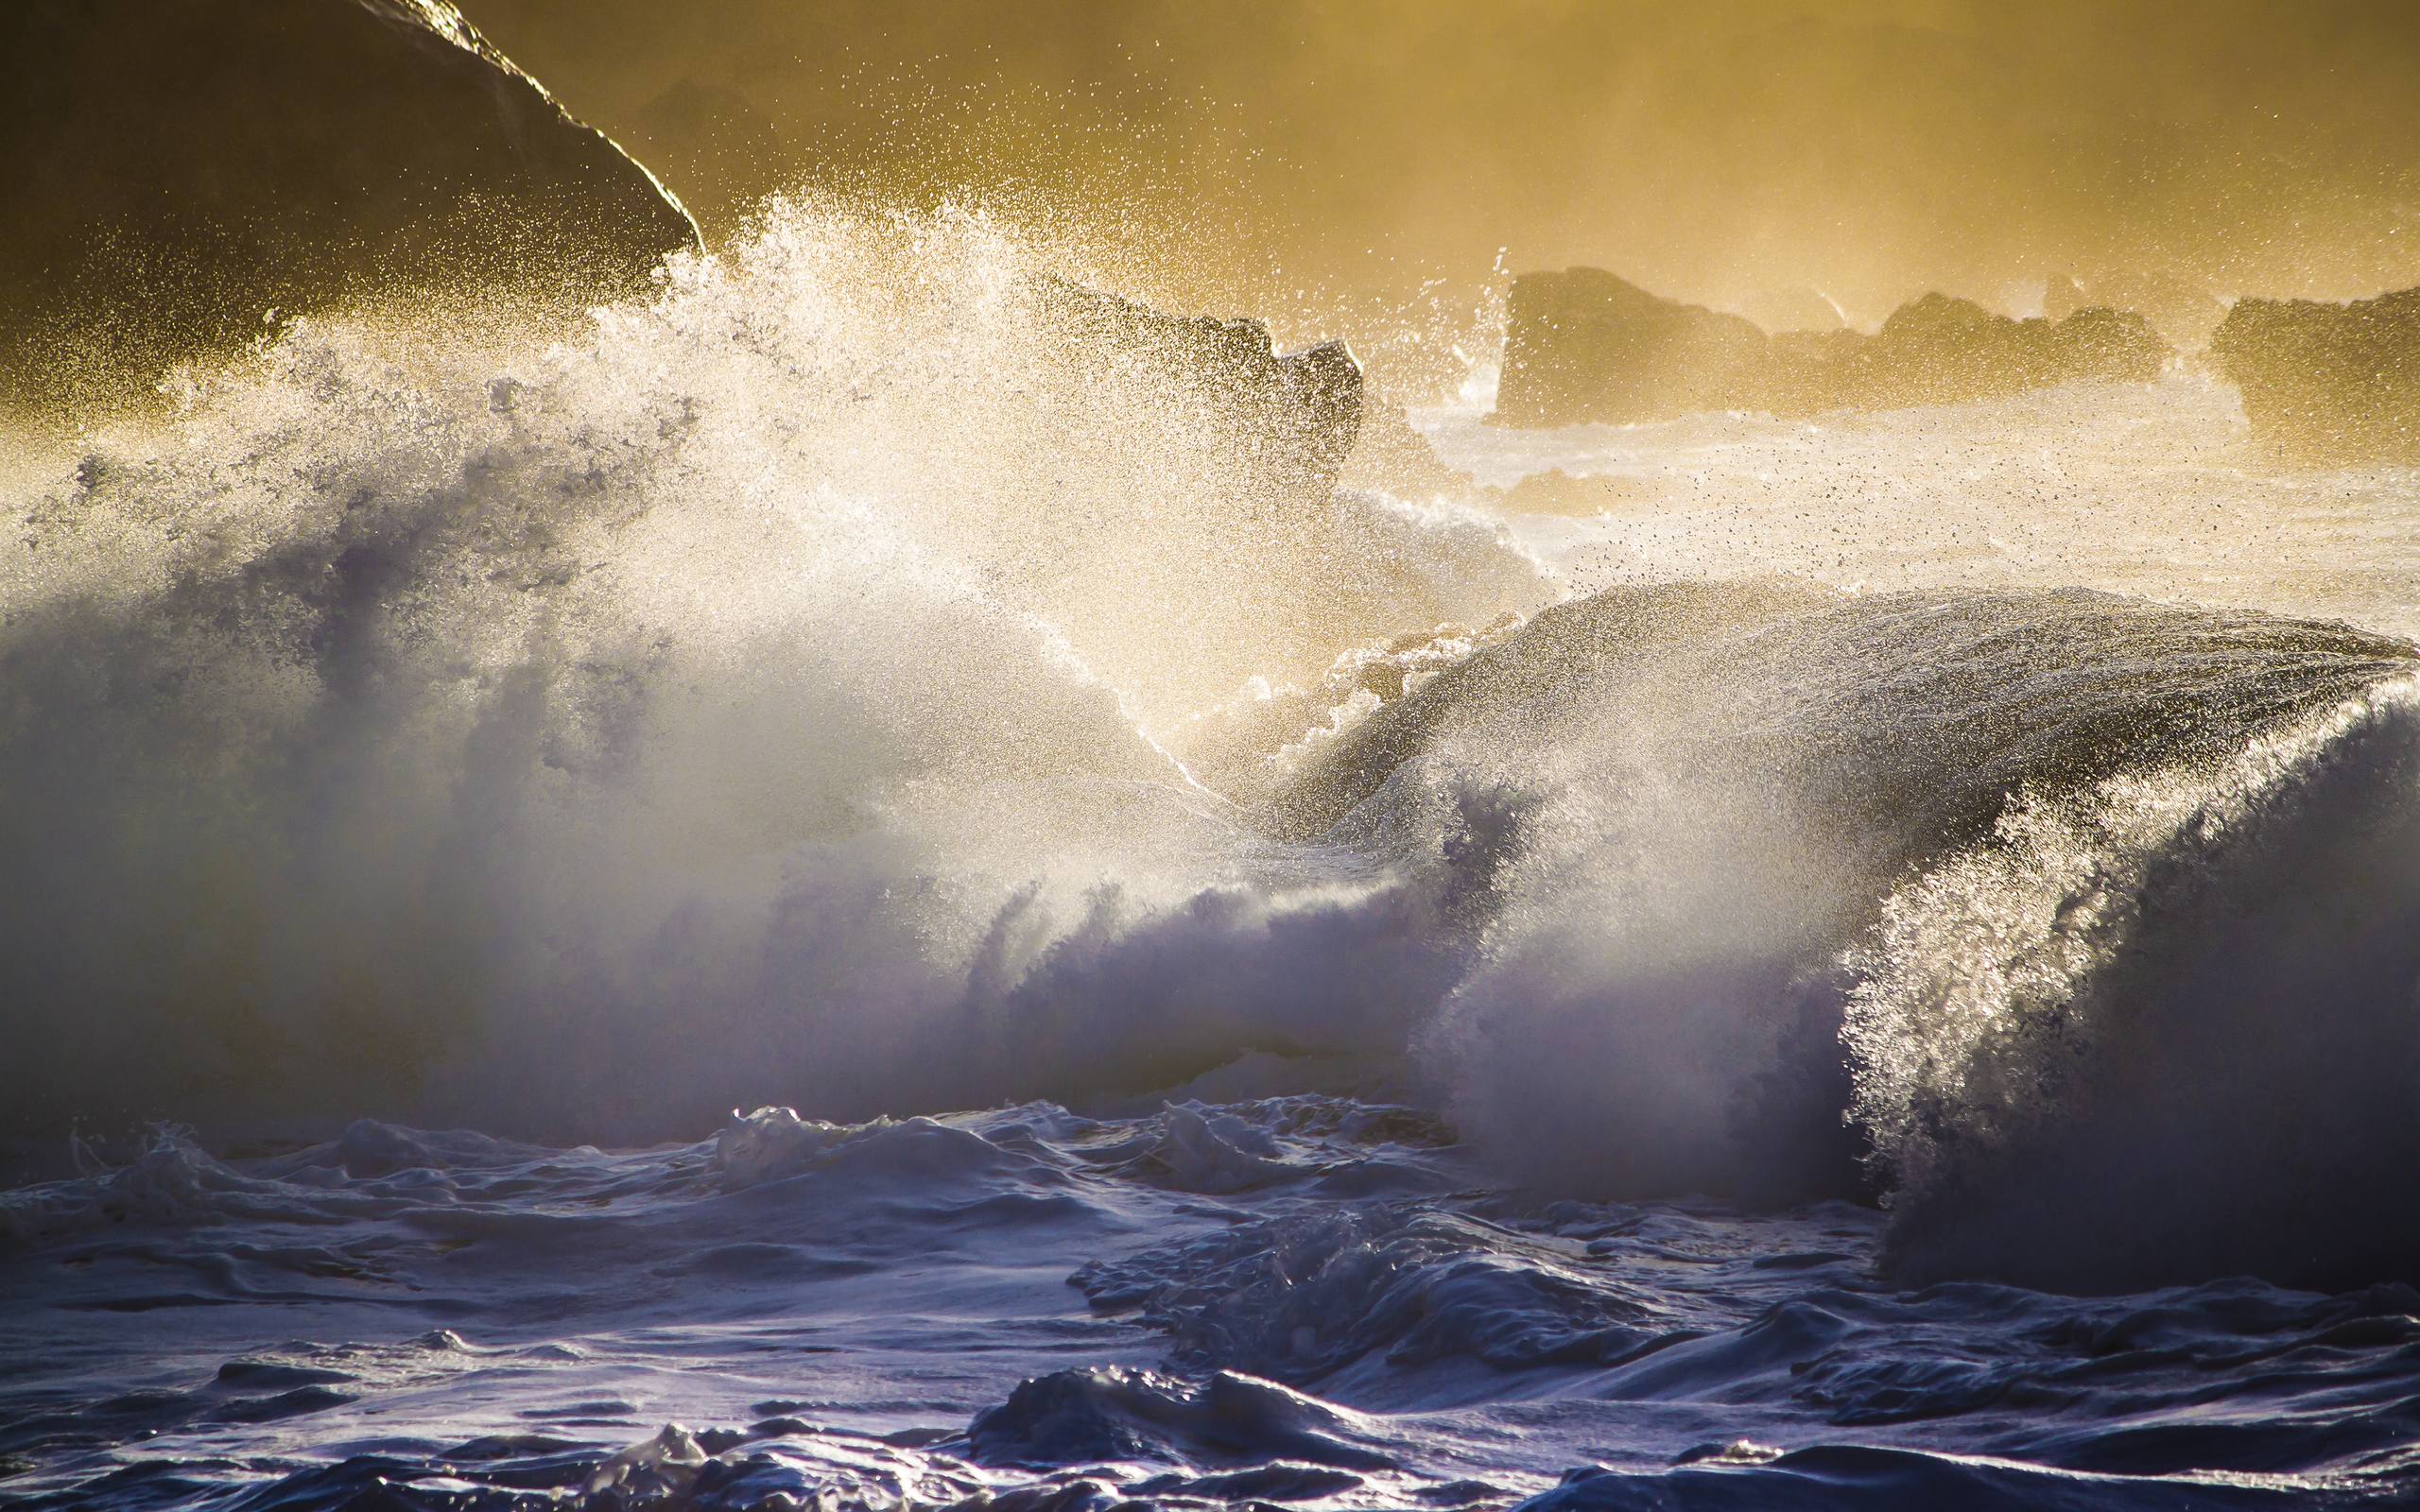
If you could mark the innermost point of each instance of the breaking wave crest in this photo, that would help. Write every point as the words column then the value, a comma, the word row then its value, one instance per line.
column 2168, row 1027
column 769, row 697
column 842, row 683
column 2095, row 918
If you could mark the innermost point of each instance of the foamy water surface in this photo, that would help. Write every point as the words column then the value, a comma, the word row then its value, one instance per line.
column 1880, row 973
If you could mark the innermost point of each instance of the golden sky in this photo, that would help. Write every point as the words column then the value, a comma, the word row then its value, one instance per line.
column 1871, row 149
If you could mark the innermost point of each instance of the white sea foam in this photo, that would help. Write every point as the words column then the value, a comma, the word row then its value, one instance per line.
column 735, row 706
column 810, row 693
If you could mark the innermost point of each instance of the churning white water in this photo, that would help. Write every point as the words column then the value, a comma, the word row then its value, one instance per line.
column 1463, row 998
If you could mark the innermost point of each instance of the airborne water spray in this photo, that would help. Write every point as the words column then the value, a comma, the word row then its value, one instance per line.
column 583, row 738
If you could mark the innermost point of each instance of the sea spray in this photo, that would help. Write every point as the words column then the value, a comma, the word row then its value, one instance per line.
column 808, row 689
column 2165, row 1027
column 725, row 707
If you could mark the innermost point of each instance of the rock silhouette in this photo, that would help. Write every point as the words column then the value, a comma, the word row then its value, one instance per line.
column 1585, row 346
column 2327, row 383
column 179, row 168
column 1294, row 415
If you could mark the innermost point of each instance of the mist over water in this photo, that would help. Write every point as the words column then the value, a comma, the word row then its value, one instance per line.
column 714, row 709
column 1437, row 980
column 833, row 662
column 1328, row 162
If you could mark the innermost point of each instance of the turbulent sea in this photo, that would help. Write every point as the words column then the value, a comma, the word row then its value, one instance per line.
column 811, row 897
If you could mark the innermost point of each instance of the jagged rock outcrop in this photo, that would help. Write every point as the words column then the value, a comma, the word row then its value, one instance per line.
column 1938, row 350
column 1296, row 413
column 178, row 167
column 2323, row 383
column 1585, row 346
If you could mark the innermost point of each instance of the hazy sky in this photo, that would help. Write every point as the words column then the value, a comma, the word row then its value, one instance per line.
column 1872, row 149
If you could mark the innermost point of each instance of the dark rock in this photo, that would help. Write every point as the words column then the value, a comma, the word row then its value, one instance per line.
column 2327, row 383
column 1296, row 413
column 1938, row 351
column 179, row 168
column 1584, row 346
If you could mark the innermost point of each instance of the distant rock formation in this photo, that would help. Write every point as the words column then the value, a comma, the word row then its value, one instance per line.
column 1584, row 346
column 1297, row 413
column 1937, row 350
column 1778, row 311
column 2327, row 383
column 178, row 167
column 2183, row 311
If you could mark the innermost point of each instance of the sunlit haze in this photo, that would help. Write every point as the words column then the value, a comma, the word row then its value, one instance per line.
column 1152, row 757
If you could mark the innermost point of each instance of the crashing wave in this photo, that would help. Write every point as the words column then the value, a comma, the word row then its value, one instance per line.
column 715, row 711
column 2082, row 908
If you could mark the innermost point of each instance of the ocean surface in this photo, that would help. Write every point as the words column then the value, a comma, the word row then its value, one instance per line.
column 806, row 897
